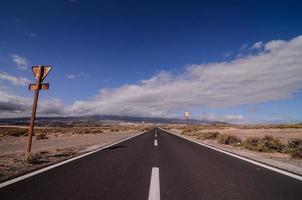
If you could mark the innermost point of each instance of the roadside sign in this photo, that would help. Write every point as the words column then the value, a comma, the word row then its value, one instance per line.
column 187, row 114
column 43, row 86
column 36, row 71
column 40, row 72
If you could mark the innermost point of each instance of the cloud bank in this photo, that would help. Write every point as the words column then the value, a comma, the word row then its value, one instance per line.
column 270, row 71
column 274, row 72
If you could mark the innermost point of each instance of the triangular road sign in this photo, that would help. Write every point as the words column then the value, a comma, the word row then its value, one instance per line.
column 36, row 71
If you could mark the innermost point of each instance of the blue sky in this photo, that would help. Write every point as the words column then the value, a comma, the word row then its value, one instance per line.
column 121, row 46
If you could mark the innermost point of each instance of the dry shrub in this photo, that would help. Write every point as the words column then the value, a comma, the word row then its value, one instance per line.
column 114, row 129
column 17, row 132
column 266, row 144
column 294, row 148
column 34, row 158
column 191, row 131
column 229, row 139
column 208, row 135
column 253, row 143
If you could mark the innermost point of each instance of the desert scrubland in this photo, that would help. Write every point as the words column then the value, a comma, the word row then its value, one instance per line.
column 54, row 144
column 277, row 145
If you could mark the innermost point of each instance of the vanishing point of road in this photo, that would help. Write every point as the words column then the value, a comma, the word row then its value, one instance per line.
column 156, row 165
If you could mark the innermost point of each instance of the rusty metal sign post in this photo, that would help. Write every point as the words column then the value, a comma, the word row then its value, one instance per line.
column 40, row 72
column 187, row 114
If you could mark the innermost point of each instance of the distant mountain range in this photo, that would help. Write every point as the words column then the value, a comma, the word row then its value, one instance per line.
column 104, row 118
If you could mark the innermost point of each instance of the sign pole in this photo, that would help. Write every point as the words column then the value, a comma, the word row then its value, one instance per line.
column 187, row 114
column 40, row 72
column 34, row 108
column 187, row 121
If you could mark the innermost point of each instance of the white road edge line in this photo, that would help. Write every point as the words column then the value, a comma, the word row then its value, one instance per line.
column 9, row 182
column 154, row 190
column 280, row 171
column 155, row 143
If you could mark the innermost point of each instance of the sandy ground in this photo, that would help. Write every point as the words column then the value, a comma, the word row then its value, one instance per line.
column 282, row 161
column 9, row 144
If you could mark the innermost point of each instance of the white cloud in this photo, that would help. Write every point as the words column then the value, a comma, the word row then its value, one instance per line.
column 222, row 118
column 70, row 76
column 22, row 62
column 20, row 81
column 274, row 73
column 17, row 106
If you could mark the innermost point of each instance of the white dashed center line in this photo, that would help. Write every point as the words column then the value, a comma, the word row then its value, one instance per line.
column 155, row 143
column 154, row 190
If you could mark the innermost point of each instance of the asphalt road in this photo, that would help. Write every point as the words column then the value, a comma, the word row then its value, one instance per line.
column 170, row 168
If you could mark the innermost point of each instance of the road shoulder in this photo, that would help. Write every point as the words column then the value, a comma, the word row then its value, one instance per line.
column 294, row 167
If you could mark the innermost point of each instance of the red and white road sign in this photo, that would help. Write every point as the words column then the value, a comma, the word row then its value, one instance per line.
column 36, row 71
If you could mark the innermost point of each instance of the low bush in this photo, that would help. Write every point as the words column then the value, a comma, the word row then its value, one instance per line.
column 18, row 133
column 253, row 143
column 41, row 136
column 34, row 158
column 230, row 140
column 294, row 148
column 114, row 129
column 208, row 135
column 265, row 144
column 272, row 144
column 191, row 131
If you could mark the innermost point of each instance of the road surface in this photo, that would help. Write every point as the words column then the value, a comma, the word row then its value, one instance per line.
column 156, row 165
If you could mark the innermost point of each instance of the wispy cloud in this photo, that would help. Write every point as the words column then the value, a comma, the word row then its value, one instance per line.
column 257, row 45
column 70, row 76
column 243, row 47
column 81, row 75
column 22, row 62
column 84, row 75
column 20, row 81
